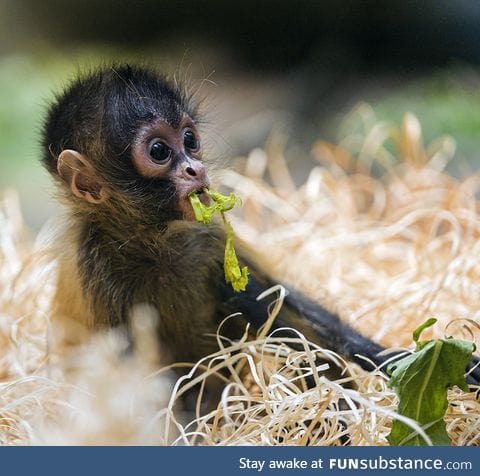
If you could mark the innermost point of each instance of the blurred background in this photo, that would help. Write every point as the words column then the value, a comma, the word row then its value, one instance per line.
column 292, row 67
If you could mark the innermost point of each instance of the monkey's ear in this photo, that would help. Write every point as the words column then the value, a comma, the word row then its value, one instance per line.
column 77, row 171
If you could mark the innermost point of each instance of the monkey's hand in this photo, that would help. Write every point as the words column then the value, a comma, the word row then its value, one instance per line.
column 473, row 373
column 319, row 325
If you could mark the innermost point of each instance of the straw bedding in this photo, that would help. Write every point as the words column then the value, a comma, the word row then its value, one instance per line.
column 379, row 231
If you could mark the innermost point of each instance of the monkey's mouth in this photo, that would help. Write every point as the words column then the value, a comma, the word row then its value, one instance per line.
column 204, row 196
column 186, row 206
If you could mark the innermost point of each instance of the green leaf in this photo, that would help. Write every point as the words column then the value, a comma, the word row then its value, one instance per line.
column 221, row 203
column 421, row 381
column 233, row 274
column 416, row 333
column 199, row 209
column 422, row 327
column 204, row 214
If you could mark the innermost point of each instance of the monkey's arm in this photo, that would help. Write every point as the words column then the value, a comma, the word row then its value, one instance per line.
column 317, row 324
column 298, row 312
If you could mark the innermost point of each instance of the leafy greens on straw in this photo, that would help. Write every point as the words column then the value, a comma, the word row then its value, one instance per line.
column 238, row 277
column 421, row 381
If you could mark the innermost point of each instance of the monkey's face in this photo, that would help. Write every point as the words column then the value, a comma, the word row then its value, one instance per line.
column 172, row 155
column 150, row 181
column 125, row 143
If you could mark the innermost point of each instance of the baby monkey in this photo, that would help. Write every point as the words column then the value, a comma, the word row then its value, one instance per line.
column 124, row 147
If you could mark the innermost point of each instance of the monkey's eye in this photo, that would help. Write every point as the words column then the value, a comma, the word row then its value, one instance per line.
column 160, row 152
column 190, row 140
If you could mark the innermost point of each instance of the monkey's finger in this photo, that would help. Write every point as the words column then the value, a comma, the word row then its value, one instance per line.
column 473, row 372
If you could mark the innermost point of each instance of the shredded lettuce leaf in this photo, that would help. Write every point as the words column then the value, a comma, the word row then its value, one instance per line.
column 237, row 277
column 233, row 274
column 221, row 203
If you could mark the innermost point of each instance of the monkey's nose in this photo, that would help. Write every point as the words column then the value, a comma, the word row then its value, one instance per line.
column 191, row 171
column 195, row 170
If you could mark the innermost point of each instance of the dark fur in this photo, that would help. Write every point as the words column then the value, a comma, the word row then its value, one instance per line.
column 135, row 249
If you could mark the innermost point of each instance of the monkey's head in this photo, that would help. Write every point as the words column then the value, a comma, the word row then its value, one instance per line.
column 123, row 142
